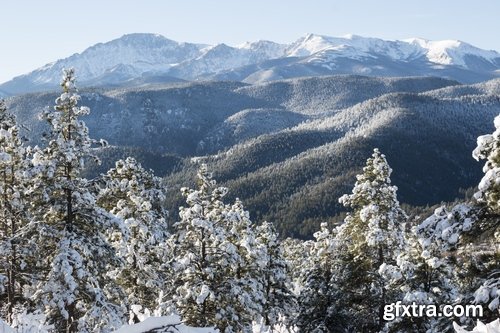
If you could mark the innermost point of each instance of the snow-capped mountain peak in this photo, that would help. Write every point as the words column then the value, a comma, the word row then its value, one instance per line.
column 221, row 57
column 266, row 48
column 444, row 52
column 144, row 52
column 138, row 55
column 308, row 44
column 451, row 52
column 143, row 38
column 349, row 46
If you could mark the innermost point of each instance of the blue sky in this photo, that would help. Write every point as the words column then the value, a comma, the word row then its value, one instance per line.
column 36, row 32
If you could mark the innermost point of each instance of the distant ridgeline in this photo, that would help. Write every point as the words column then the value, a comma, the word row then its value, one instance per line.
column 138, row 60
column 288, row 149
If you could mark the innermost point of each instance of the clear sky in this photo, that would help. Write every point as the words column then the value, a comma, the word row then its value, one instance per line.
column 36, row 32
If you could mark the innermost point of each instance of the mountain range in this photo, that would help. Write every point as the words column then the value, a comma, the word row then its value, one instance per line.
column 139, row 60
column 290, row 148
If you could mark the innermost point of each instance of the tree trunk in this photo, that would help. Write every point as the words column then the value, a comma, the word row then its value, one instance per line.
column 9, row 232
column 382, row 297
column 69, row 197
column 71, row 323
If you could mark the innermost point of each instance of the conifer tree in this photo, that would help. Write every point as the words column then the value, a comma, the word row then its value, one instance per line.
column 318, row 298
column 488, row 224
column 445, row 262
column 136, row 196
column 245, row 281
column 279, row 306
column 488, row 148
column 196, row 252
column 14, row 249
column 368, row 244
column 427, row 271
column 295, row 251
column 212, row 281
column 73, row 252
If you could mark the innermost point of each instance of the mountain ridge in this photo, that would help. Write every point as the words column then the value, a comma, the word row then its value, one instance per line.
column 124, row 60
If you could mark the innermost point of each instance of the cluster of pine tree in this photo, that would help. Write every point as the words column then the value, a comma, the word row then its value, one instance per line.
column 89, row 255
column 378, row 257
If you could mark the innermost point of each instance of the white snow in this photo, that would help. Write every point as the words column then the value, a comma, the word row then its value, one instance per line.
column 493, row 327
column 178, row 327
column 4, row 328
column 450, row 52
column 444, row 52
column 353, row 46
column 159, row 322
column 132, row 55
column 266, row 48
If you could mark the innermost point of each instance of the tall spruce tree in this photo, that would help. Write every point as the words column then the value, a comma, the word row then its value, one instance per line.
column 244, row 281
column 14, row 250
column 488, row 148
column 195, row 241
column 488, row 225
column 368, row 244
column 427, row 269
column 318, row 298
column 74, row 254
column 213, row 283
column 280, row 305
column 136, row 196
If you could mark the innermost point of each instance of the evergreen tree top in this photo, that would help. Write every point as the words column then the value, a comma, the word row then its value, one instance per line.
column 488, row 148
column 376, row 169
column 373, row 185
column 68, row 100
column 68, row 80
column 376, row 218
column 7, row 119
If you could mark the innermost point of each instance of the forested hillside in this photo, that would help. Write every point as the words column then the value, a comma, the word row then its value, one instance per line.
column 288, row 148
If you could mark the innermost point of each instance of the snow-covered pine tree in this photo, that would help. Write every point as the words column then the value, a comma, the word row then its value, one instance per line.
column 487, row 227
column 208, row 261
column 300, row 258
column 196, row 253
column 74, row 254
column 13, row 217
column 294, row 252
column 427, row 269
column 453, row 255
column 369, row 241
column 280, row 305
column 318, row 296
column 488, row 148
column 244, row 282
column 136, row 196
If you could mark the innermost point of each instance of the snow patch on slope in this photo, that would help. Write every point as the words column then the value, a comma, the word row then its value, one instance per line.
column 222, row 57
